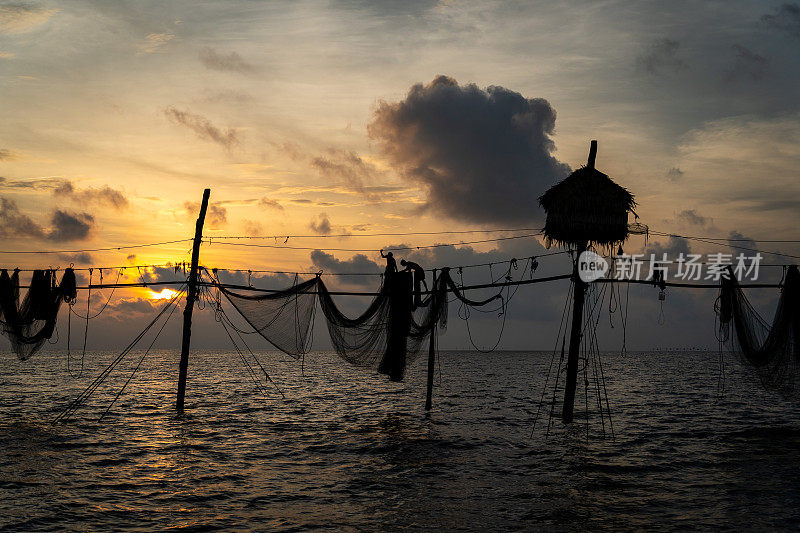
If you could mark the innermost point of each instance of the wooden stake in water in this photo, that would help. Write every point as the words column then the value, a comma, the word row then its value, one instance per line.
column 191, row 296
column 574, row 341
column 567, row 413
column 431, row 358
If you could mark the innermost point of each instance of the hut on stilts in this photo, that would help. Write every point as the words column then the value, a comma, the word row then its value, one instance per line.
column 586, row 210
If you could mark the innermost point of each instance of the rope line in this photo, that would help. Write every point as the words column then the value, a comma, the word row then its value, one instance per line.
column 105, row 249
column 393, row 249
column 398, row 234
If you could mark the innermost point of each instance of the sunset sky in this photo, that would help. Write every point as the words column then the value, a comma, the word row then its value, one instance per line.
column 315, row 118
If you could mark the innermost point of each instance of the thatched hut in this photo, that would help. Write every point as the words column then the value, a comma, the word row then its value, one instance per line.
column 587, row 208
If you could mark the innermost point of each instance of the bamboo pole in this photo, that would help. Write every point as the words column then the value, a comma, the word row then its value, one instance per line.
column 191, row 296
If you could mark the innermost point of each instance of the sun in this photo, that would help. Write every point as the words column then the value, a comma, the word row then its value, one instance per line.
column 165, row 294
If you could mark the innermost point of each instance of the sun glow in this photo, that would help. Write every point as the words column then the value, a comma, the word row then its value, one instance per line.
column 165, row 294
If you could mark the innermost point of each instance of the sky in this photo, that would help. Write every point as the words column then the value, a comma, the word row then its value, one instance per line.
column 348, row 117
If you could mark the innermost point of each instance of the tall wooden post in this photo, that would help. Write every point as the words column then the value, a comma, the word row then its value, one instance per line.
column 567, row 414
column 574, row 340
column 431, row 357
column 191, row 296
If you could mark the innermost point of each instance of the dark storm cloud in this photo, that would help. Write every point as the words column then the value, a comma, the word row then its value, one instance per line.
column 661, row 55
column 203, row 127
column 14, row 223
column 746, row 65
column 482, row 155
column 232, row 62
column 216, row 214
column 786, row 19
column 104, row 195
column 321, row 225
column 66, row 226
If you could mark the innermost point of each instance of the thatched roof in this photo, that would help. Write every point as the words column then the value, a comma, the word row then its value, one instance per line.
column 587, row 207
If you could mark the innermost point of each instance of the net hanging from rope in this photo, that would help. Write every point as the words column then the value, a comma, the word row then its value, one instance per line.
column 387, row 336
column 283, row 318
column 773, row 351
column 30, row 322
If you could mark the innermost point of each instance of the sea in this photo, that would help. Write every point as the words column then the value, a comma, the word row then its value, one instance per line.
column 686, row 441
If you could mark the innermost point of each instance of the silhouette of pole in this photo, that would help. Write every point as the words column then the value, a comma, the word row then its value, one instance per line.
column 574, row 340
column 191, row 296
column 431, row 359
column 567, row 414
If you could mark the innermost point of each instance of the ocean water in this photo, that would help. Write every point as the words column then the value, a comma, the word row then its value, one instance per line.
column 347, row 450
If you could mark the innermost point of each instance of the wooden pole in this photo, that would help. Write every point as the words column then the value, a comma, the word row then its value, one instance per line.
column 431, row 358
column 431, row 365
column 574, row 341
column 191, row 296
column 592, row 154
column 567, row 414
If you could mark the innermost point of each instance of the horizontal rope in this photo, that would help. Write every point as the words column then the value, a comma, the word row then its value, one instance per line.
column 466, row 287
column 380, row 273
column 99, row 268
column 109, row 248
column 722, row 239
column 719, row 242
column 394, row 249
column 399, row 234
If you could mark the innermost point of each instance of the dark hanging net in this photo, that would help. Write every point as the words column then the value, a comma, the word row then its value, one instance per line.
column 29, row 323
column 390, row 334
column 772, row 350
column 387, row 337
column 283, row 318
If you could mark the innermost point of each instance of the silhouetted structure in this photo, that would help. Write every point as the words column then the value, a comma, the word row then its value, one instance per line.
column 585, row 209
column 386, row 337
column 29, row 323
column 772, row 350
column 191, row 296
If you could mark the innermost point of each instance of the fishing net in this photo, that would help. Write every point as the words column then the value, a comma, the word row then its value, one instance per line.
column 390, row 334
column 283, row 318
column 387, row 336
column 27, row 324
column 773, row 351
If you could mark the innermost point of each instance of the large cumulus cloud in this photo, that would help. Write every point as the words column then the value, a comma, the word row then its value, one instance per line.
column 483, row 155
